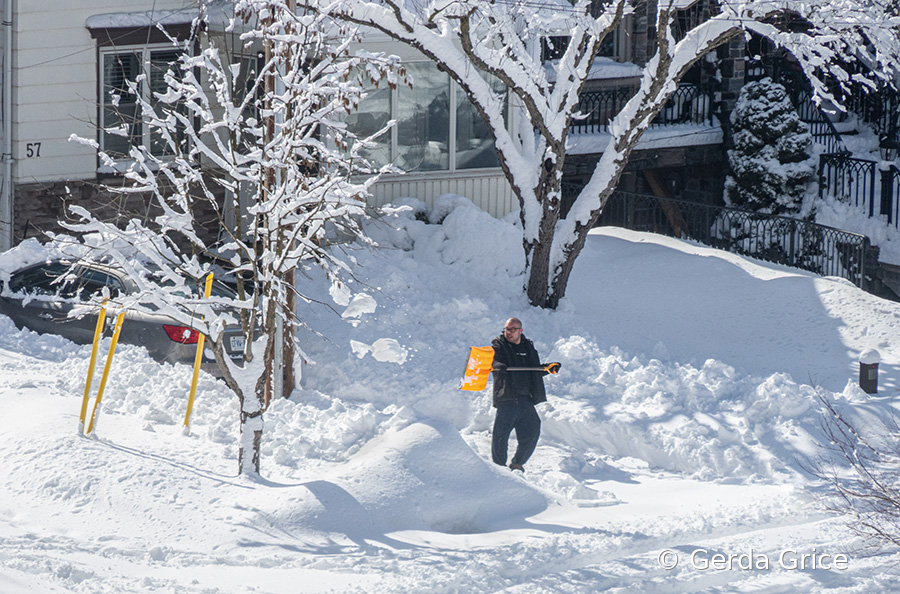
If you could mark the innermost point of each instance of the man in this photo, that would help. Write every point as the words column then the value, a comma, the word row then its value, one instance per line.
column 516, row 393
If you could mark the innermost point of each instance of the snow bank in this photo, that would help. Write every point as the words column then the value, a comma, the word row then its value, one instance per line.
column 708, row 422
column 685, row 371
column 420, row 477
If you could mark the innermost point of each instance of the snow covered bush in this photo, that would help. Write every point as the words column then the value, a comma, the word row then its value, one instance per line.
column 772, row 164
column 772, row 173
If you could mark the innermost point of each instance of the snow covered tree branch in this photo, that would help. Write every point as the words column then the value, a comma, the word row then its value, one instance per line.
column 269, row 128
column 474, row 40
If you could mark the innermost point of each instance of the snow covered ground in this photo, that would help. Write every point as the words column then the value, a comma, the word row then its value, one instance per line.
column 671, row 458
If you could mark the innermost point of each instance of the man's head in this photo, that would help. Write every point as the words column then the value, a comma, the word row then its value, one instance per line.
column 512, row 330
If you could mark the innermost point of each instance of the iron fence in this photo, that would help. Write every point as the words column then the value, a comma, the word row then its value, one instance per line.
column 880, row 109
column 599, row 107
column 689, row 103
column 867, row 185
column 849, row 180
column 783, row 240
column 820, row 125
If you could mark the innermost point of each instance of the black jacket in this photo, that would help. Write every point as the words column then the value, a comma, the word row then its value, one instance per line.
column 509, row 384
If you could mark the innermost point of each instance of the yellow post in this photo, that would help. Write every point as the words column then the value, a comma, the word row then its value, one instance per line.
column 101, row 320
column 197, row 360
column 109, row 357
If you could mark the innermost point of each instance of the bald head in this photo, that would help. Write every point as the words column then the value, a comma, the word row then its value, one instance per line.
column 512, row 330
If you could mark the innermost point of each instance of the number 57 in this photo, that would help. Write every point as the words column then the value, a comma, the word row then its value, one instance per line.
column 33, row 149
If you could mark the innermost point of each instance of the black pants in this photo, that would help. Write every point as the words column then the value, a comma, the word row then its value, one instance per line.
column 521, row 416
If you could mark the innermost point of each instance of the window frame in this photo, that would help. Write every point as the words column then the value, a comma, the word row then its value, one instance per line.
column 145, row 53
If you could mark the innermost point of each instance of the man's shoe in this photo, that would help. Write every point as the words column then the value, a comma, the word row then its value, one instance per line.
column 518, row 467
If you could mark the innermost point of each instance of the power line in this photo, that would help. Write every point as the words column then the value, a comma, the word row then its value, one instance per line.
column 534, row 4
column 566, row 7
column 153, row 23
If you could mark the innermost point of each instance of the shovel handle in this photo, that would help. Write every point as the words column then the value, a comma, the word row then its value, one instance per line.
column 546, row 368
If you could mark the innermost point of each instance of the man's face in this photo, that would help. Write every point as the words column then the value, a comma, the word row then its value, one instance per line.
column 513, row 332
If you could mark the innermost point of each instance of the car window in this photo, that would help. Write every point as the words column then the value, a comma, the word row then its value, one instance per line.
column 41, row 279
column 221, row 289
column 95, row 280
column 60, row 279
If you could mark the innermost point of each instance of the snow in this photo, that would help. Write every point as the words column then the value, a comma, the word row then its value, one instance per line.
column 870, row 357
column 658, row 137
column 676, row 430
column 602, row 68
column 217, row 12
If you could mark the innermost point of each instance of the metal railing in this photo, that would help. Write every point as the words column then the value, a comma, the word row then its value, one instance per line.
column 849, row 180
column 599, row 107
column 820, row 125
column 689, row 103
column 880, row 109
column 783, row 240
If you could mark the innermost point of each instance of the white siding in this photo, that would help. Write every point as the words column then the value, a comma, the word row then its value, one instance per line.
column 55, row 84
column 55, row 96
column 489, row 191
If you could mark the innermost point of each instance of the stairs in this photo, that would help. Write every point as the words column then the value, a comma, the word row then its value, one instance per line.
column 861, row 182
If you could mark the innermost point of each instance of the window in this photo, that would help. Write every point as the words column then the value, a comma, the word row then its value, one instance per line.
column 423, row 119
column 373, row 114
column 553, row 47
column 244, row 81
column 61, row 279
column 474, row 143
column 121, row 120
column 437, row 128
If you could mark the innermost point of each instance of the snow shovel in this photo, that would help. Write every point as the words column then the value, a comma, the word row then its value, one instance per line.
column 478, row 369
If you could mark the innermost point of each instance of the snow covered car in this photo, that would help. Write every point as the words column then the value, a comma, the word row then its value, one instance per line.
column 166, row 339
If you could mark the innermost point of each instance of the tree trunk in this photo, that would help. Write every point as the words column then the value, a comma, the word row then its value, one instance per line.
column 538, row 253
column 251, row 421
column 290, row 381
column 251, row 438
column 252, row 408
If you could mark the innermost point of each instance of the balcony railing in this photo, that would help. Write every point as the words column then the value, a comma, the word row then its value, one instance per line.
column 689, row 104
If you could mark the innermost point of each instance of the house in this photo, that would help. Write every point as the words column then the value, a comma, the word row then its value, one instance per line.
column 61, row 62
column 443, row 146
column 64, row 70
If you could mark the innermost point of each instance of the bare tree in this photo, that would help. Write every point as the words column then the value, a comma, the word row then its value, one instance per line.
column 860, row 464
column 273, row 130
column 474, row 40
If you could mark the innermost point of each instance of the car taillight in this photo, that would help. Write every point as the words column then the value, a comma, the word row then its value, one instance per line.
column 182, row 334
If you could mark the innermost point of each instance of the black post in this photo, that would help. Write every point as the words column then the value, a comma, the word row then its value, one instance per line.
column 886, row 197
column 868, row 371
